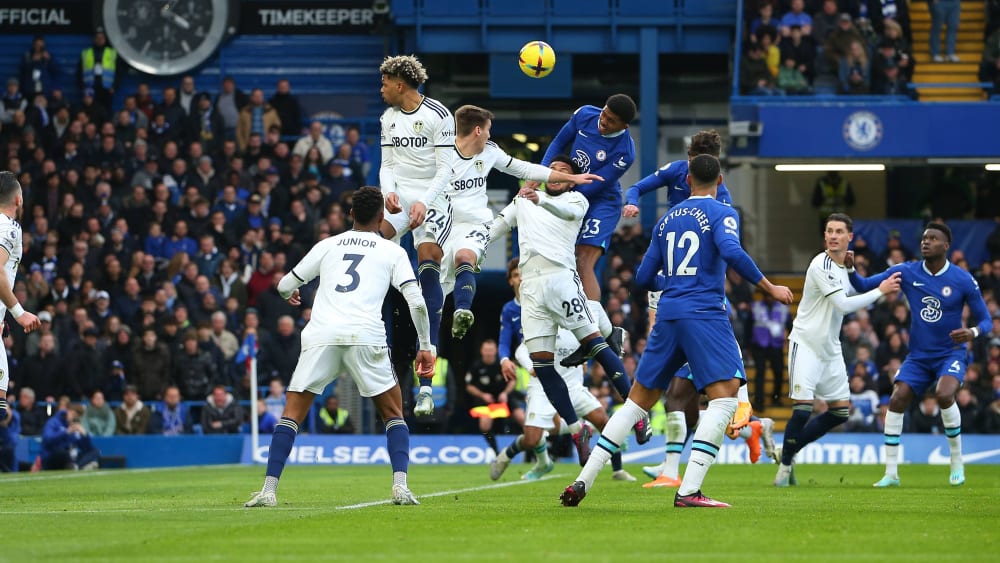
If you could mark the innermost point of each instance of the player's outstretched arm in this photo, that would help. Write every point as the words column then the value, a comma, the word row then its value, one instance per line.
column 28, row 321
column 648, row 184
column 503, row 222
column 563, row 208
column 778, row 292
column 418, row 312
column 846, row 305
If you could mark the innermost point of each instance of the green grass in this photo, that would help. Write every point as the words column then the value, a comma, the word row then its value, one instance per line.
column 197, row 514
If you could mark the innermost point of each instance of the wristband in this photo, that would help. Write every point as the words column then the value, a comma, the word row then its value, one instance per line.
column 17, row 310
column 975, row 332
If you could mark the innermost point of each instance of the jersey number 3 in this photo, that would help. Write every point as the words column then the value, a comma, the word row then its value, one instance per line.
column 688, row 240
column 352, row 271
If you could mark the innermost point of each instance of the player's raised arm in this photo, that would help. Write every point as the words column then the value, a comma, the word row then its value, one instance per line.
column 504, row 222
column 304, row 272
column 649, row 274
column 863, row 284
column 846, row 305
column 650, row 183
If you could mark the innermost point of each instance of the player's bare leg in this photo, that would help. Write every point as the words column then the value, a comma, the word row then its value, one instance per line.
column 297, row 404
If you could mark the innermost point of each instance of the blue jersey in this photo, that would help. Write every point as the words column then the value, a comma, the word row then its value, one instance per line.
column 607, row 156
column 673, row 175
column 692, row 243
column 510, row 329
column 936, row 303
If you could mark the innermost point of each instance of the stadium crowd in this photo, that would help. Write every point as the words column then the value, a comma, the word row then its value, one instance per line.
column 155, row 234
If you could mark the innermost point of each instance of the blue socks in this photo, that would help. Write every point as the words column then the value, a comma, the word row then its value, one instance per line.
column 429, row 274
column 616, row 461
column 397, row 438
column 793, row 430
column 465, row 286
column 598, row 349
column 281, row 446
column 817, row 427
column 555, row 389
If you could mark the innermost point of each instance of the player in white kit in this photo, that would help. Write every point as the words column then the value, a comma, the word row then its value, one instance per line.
column 346, row 333
column 816, row 367
column 11, row 204
column 418, row 134
column 471, row 161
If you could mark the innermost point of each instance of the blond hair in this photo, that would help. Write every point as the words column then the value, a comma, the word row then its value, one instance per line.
column 406, row 68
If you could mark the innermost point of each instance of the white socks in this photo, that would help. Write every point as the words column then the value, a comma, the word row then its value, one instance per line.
column 614, row 434
column 704, row 448
column 676, row 437
column 743, row 395
column 952, row 418
column 603, row 322
column 893, row 429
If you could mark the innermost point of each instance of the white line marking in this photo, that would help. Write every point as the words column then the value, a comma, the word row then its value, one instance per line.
column 445, row 493
column 54, row 475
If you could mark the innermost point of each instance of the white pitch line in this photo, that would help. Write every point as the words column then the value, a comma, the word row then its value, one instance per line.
column 445, row 493
column 55, row 475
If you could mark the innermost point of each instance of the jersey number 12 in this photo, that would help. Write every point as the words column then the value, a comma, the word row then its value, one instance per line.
column 690, row 241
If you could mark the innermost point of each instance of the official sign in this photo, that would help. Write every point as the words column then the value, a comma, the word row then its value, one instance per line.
column 304, row 17
column 32, row 16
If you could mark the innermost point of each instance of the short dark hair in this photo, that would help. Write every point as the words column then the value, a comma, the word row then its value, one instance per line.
column 469, row 117
column 9, row 187
column 704, row 170
column 706, row 142
column 512, row 265
column 574, row 167
column 622, row 106
column 843, row 218
column 940, row 227
column 367, row 203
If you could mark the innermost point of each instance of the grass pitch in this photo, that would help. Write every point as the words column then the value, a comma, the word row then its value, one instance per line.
column 343, row 513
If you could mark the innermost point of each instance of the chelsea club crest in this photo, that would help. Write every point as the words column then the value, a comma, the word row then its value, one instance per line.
column 863, row 130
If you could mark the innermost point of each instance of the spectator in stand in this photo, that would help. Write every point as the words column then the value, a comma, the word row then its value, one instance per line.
column 832, row 193
column 755, row 78
column 339, row 179
column 172, row 111
column 43, row 371
column 926, row 417
column 890, row 347
column 180, row 241
column 360, row 158
column 765, row 10
column 315, row 139
column 791, row 79
column 334, row 420
column 85, row 369
column 171, row 417
column 228, row 104
column 771, row 320
column 947, row 13
column 39, row 69
column 767, row 38
column 33, row 415
column 802, row 50
column 278, row 355
column 187, row 95
column 969, row 407
column 131, row 416
column 144, row 101
column 205, row 124
column 864, row 406
column 882, row 12
column 825, row 21
column 98, row 419
column 989, row 67
column 152, row 360
column 891, row 82
column 266, row 421
column 838, row 42
column 222, row 413
column 255, row 117
column 66, row 443
column 194, row 370
column 12, row 102
column 796, row 16
column 904, row 54
column 10, row 435
column 288, row 108
column 855, row 71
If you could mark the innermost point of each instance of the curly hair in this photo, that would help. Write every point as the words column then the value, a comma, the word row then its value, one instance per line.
column 406, row 68
column 706, row 142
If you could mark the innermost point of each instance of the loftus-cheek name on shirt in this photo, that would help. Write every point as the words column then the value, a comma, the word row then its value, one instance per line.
column 356, row 242
column 694, row 212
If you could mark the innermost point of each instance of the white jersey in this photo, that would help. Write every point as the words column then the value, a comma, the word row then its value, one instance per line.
column 543, row 233
column 355, row 270
column 817, row 323
column 467, row 189
column 10, row 239
column 410, row 149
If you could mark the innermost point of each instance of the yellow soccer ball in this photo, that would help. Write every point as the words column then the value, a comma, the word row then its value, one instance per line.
column 536, row 59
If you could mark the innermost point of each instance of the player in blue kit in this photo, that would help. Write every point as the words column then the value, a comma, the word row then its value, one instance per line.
column 674, row 175
column 598, row 141
column 692, row 245
column 937, row 292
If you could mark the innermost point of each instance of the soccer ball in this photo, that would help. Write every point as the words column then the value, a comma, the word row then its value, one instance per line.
column 536, row 59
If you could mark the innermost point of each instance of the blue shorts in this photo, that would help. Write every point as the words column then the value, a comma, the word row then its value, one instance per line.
column 685, row 373
column 921, row 374
column 707, row 346
column 599, row 224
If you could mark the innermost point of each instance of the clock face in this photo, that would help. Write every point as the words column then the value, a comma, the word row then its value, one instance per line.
column 166, row 36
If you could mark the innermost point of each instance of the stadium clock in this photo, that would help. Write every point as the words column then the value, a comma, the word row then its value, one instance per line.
column 166, row 37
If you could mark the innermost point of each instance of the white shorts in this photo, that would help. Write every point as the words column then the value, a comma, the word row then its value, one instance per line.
column 368, row 365
column 555, row 300
column 540, row 412
column 811, row 377
column 436, row 225
column 468, row 236
column 4, row 373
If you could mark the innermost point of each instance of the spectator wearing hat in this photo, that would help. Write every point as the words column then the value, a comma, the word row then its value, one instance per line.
column 85, row 370
column 132, row 415
column 32, row 340
column 101, row 309
column 252, row 217
column 99, row 419
column 339, row 179
column 13, row 101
